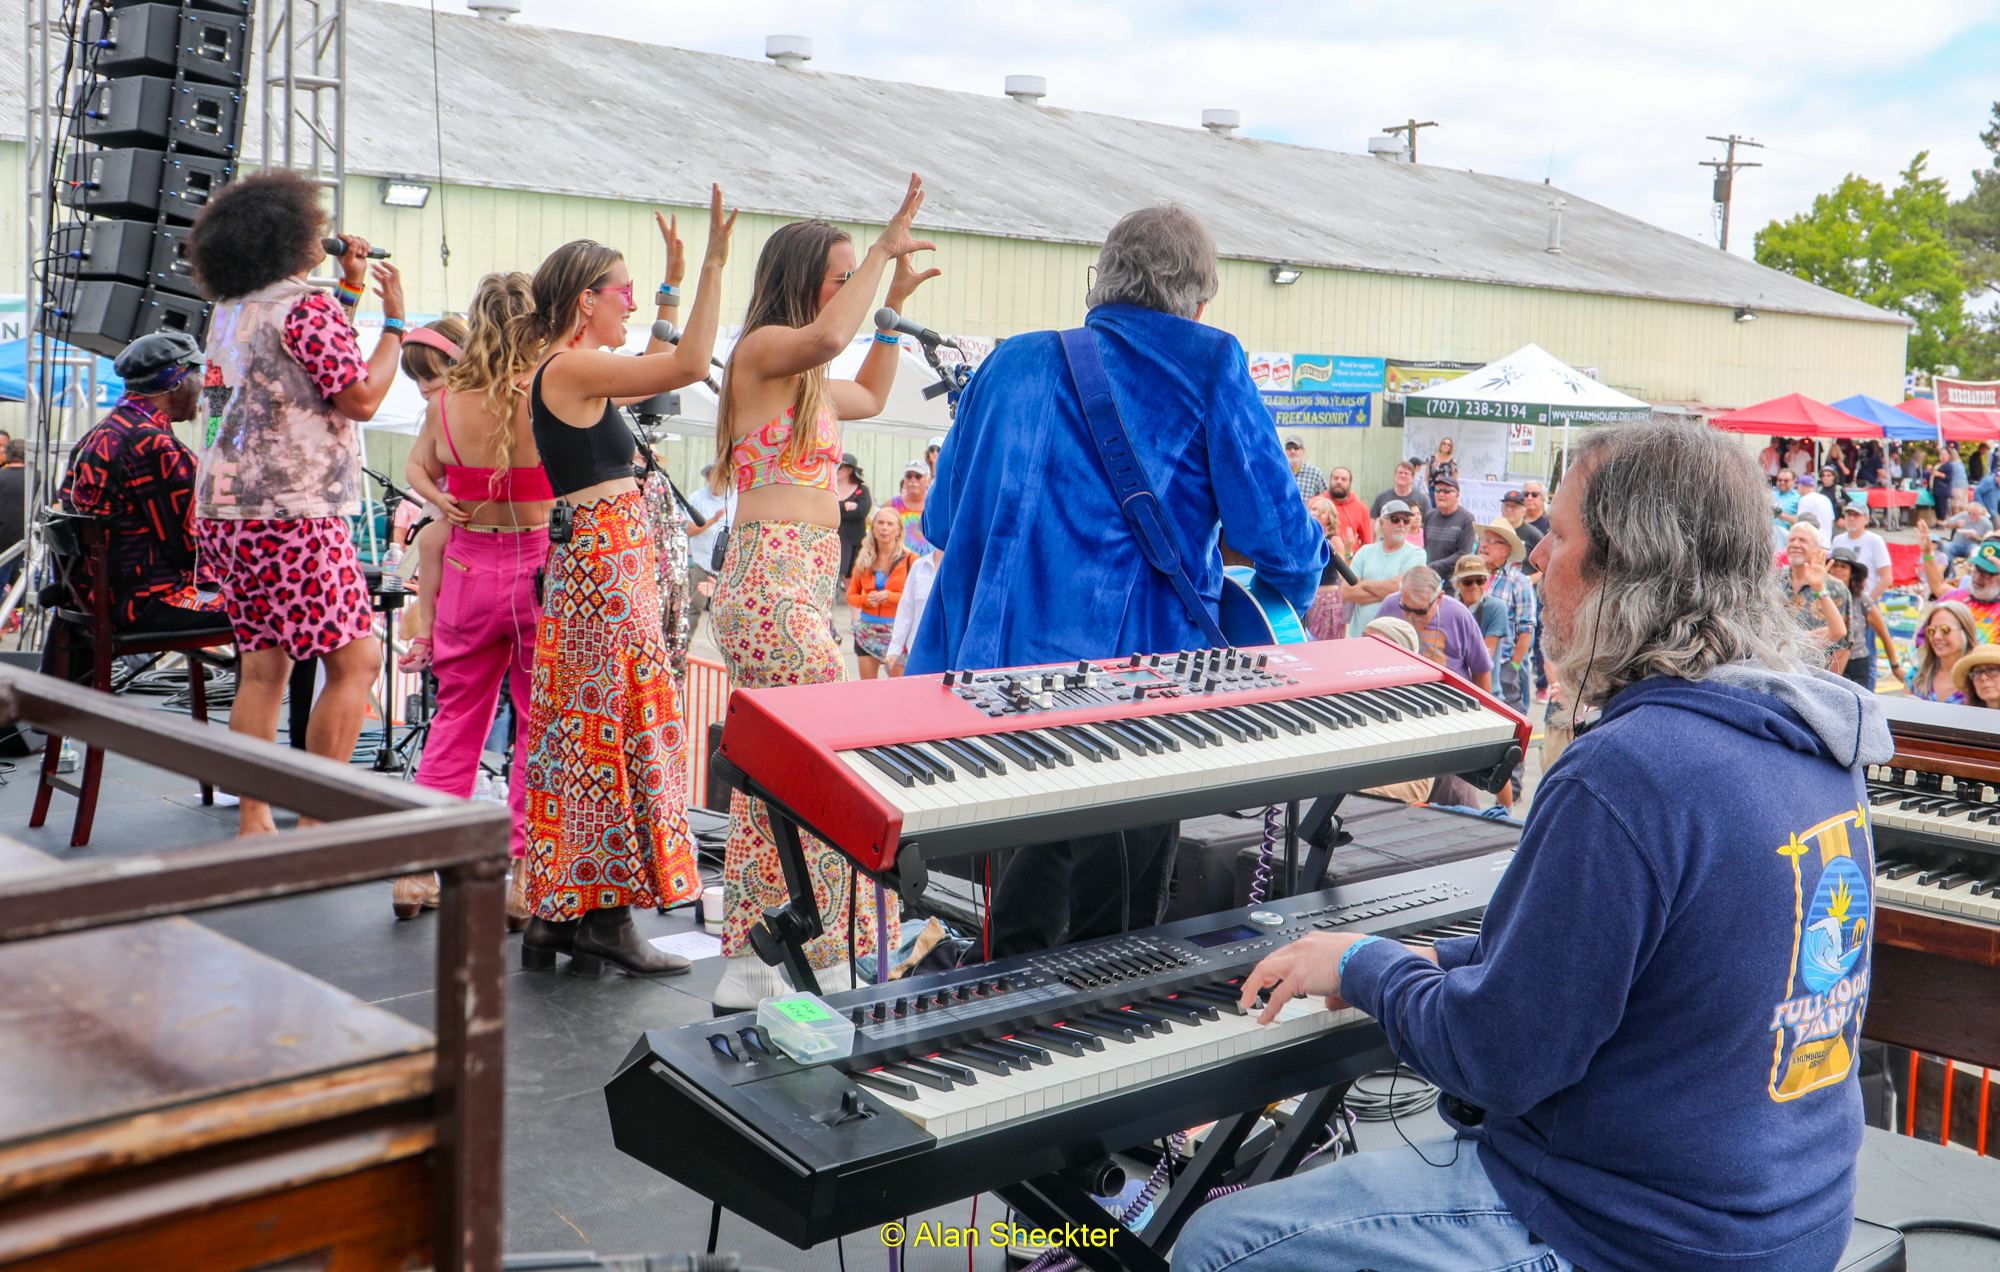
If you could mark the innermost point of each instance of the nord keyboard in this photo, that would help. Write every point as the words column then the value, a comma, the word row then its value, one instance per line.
column 1934, row 813
column 1007, row 1071
column 895, row 772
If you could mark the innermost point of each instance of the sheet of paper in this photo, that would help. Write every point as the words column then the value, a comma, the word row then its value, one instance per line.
column 690, row 944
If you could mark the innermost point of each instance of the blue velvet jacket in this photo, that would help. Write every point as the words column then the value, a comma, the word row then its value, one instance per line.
column 1039, row 563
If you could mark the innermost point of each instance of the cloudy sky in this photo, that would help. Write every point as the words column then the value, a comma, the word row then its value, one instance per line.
column 1612, row 101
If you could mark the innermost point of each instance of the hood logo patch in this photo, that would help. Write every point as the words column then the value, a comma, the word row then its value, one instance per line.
column 1817, row 1028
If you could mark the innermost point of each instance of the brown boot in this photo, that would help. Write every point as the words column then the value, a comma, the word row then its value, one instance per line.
column 545, row 939
column 608, row 936
column 517, row 897
column 413, row 894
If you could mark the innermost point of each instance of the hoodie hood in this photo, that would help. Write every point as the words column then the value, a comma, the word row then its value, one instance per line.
column 1813, row 712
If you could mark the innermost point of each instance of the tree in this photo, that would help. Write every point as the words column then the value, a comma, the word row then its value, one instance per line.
column 1974, row 225
column 1889, row 248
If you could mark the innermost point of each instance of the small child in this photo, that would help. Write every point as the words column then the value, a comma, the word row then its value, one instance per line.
column 428, row 353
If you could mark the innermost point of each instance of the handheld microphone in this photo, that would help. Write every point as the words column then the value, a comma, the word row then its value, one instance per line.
column 887, row 319
column 666, row 333
column 338, row 247
column 1339, row 566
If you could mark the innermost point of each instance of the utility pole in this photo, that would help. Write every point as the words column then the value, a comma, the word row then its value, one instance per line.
column 1411, row 129
column 1725, row 175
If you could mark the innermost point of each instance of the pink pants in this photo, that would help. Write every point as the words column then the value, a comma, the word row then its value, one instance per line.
column 486, row 617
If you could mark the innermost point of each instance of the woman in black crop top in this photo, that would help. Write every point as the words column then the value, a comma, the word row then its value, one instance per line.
column 607, row 765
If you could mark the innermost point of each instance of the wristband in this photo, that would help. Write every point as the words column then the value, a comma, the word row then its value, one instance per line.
column 667, row 295
column 392, row 325
column 349, row 296
column 888, row 338
column 1341, row 968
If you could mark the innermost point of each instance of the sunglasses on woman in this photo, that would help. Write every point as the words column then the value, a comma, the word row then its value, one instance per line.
column 624, row 291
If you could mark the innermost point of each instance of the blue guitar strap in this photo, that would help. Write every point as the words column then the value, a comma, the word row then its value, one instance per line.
column 1128, row 480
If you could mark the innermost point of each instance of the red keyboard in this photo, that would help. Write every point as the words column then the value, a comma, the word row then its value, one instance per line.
column 975, row 761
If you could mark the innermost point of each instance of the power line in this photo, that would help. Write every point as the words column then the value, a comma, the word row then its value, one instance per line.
column 1411, row 129
column 1725, row 175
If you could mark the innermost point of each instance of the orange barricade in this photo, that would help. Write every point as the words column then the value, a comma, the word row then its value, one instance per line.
column 706, row 698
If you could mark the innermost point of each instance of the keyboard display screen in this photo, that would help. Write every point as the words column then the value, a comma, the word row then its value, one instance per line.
column 1223, row 936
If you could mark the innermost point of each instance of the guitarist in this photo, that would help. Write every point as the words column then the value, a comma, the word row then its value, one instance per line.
column 1041, row 564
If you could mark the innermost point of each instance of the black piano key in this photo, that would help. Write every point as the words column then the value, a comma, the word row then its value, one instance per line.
column 1360, row 702
column 1050, row 749
column 918, row 769
column 884, row 1083
column 956, row 1072
column 1159, row 1021
column 1325, row 715
column 895, row 769
column 1389, row 710
column 1005, row 1055
column 925, row 762
column 1307, row 720
column 1258, row 725
column 1036, row 1054
column 1102, row 1028
column 1264, row 711
column 1088, row 1041
column 1099, row 736
column 967, row 758
column 1228, row 725
column 1188, row 1012
column 1223, row 998
column 942, row 759
column 1929, row 877
column 985, row 1061
column 1054, row 1042
column 911, row 1073
column 1903, row 870
column 987, row 755
column 1166, row 739
column 1411, row 704
column 1195, row 722
column 1954, row 879
column 1987, row 887
column 1014, row 751
column 1183, row 728
column 1132, row 741
column 1090, row 748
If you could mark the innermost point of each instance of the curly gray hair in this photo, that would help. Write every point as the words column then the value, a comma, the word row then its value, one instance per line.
column 1159, row 257
column 1677, row 519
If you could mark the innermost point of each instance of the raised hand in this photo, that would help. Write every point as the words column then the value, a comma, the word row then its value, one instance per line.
column 388, row 285
column 670, row 230
column 896, row 240
column 354, row 261
column 907, row 279
column 718, row 228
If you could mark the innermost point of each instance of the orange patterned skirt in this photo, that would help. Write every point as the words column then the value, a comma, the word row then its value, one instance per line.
column 607, row 766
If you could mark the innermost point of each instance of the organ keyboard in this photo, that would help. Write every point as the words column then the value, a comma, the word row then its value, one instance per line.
column 1934, row 811
column 978, row 1078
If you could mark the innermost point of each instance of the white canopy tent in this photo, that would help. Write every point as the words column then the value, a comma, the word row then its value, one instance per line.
column 1529, row 386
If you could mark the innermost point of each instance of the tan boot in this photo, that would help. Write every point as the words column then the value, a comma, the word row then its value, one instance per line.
column 412, row 893
column 517, row 897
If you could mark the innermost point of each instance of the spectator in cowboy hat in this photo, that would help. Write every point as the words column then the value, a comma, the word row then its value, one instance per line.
column 1469, row 580
column 1978, row 676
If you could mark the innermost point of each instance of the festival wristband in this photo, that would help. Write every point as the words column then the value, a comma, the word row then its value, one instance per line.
column 667, row 295
column 888, row 338
column 392, row 325
column 349, row 296
column 1341, row 968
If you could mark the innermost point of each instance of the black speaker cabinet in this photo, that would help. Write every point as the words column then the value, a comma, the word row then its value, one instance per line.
column 143, row 183
column 149, row 111
column 158, row 39
column 234, row 8
column 121, row 251
column 170, row 270
column 104, row 316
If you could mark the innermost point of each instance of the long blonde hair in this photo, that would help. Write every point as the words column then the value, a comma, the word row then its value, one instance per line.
column 1927, row 659
column 491, row 361
column 784, row 293
column 865, row 559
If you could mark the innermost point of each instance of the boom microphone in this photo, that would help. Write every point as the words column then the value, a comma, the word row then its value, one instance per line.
column 1339, row 566
column 887, row 319
column 338, row 247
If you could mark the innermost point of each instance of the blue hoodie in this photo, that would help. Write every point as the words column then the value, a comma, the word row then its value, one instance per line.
column 1662, row 1012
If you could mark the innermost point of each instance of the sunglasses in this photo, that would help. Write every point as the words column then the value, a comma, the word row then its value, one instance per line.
column 841, row 277
column 1400, row 519
column 1940, row 631
column 624, row 291
column 1473, row 582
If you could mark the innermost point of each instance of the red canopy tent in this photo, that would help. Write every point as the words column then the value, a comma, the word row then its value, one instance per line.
column 1959, row 426
column 1795, row 415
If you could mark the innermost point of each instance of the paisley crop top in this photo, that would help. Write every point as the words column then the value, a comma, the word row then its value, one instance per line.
column 760, row 458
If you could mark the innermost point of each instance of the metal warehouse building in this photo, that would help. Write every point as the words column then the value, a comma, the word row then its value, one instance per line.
column 1394, row 260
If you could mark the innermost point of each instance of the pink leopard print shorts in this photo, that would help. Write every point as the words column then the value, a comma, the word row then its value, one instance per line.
column 294, row 585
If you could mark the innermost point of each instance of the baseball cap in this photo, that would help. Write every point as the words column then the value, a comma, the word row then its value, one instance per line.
column 153, row 363
column 1295, row 440
column 1987, row 557
column 1393, row 507
column 917, row 466
column 1470, row 566
column 1514, row 496
column 1806, row 479
column 1446, row 481
column 937, row 443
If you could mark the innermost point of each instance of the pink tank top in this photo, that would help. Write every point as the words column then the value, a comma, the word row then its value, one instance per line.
column 516, row 485
column 760, row 458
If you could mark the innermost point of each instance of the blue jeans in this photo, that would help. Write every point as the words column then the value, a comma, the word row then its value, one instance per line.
column 1386, row 1210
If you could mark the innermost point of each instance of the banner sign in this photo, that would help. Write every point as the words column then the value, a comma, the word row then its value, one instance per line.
column 1967, row 402
column 1409, row 377
column 1314, row 372
column 1520, row 437
column 1318, row 410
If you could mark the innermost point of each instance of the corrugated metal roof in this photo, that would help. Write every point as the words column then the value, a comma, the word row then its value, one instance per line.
column 534, row 108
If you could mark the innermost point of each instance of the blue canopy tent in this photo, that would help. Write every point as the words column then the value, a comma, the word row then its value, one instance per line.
column 1897, row 425
column 13, row 374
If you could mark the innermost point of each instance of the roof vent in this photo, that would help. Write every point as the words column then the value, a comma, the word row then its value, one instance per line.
column 1029, row 90
column 792, row 51
column 494, row 10
column 1556, row 206
column 1390, row 148
column 1222, row 123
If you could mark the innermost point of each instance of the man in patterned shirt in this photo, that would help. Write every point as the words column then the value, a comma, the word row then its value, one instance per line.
column 131, row 471
column 1501, row 548
column 1312, row 482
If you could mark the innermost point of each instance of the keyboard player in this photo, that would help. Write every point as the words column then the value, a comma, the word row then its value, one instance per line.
column 1041, row 566
column 1648, row 1053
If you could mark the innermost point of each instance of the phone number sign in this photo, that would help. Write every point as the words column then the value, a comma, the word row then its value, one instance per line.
column 1318, row 410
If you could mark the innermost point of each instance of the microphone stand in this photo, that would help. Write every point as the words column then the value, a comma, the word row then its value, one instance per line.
column 390, row 596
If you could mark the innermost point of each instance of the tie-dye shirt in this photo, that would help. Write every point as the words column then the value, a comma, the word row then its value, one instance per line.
column 913, row 526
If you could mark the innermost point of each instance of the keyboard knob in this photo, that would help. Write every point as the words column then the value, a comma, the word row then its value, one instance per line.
column 950, row 678
column 1210, row 684
column 1138, row 693
column 902, row 1007
column 1135, row 660
column 1155, row 661
column 1261, row 660
column 1083, row 666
